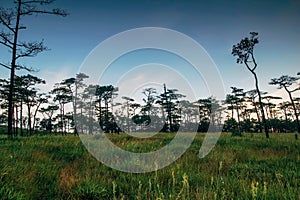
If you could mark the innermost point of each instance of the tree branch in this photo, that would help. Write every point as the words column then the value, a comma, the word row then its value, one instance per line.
column 294, row 90
column 6, row 16
column 29, row 69
column 5, row 44
column 53, row 12
column 31, row 49
column 246, row 63
column 254, row 61
column 6, row 66
column 5, row 37
column 41, row 2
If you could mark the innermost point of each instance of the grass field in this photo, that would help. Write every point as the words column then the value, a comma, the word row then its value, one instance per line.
column 59, row 167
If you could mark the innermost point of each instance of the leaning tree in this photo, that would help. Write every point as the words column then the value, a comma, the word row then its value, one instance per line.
column 285, row 82
column 244, row 51
column 11, row 25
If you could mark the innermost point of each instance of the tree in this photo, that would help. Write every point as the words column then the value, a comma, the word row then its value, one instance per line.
column 105, row 95
column 63, row 95
column 237, row 99
column 28, row 94
column 149, row 119
column 10, row 19
column 209, row 111
column 86, row 102
column 189, row 114
column 270, row 105
column 4, row 90
column 74, row 84
column 41, row 98
column 244, row 51
column 128, row 103
column 285, row 82
column 149, row 99
column 252, row 94
column 49, row 112
column 169, row 100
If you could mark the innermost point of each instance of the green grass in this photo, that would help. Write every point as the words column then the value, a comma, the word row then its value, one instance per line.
column 59, row 167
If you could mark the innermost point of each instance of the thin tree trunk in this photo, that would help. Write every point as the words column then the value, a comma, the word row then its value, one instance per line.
column 238, row 116
column 12, row 75
column 258, row 117
column 16, row 122
column 34, row 116
column 21, row 118
column 50, row 125
column 261, row 106
column 232, row 112
column 74, row 100
column 62, row 119
column 29, row 119
column 127, row 119
column 295, row 109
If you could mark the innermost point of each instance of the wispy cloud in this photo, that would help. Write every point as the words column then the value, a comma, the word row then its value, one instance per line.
column 152, row 75
column 54, row 76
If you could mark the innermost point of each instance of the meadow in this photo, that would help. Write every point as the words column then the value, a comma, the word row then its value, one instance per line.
column 59, row 167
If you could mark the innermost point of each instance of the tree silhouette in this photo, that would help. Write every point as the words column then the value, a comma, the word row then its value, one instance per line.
column 86, row 102
column 128, row 103
column 285, row 82
column 29, row 96
column 169, row 100
column 269, row 105
column 74, row 84
column 63, row 95
column 252, row 94
column 244, row 51
column 49, row 112
column 105, row 96
column 10, row 19
column 41, row 99
column 237, row 99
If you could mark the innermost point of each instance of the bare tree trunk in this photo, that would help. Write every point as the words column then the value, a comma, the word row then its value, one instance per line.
column 21, row 118
column 238, row 116
column 12, row 75
column 295, row 110
column 16, row 122
column 74, row 101
column 127, row 119
column 29, row 119
column 258, row 117
column 62, row 119
column 232, row 112
column 34, row 116
column 261, row 106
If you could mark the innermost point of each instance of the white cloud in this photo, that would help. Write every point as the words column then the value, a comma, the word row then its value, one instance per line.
column 284, row 95
column 54, row 76
column 153, row 75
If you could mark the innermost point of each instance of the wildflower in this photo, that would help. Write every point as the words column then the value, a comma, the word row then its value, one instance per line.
column 278, row 175
column 254, row 189
column 220, row 165
column 173, row 177
column 265, row 188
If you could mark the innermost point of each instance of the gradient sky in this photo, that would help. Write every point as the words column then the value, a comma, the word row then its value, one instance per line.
column 216, row 25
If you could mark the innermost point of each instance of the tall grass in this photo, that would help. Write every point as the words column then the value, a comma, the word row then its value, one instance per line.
column 59, row 167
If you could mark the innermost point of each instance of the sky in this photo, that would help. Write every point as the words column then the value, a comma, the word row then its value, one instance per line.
column 216, row 25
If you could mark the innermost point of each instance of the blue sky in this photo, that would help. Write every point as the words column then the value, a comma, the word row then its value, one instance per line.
column 216, row 25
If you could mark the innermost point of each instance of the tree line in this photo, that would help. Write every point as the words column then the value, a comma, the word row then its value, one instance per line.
column 94, row 108
column 72, row 106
